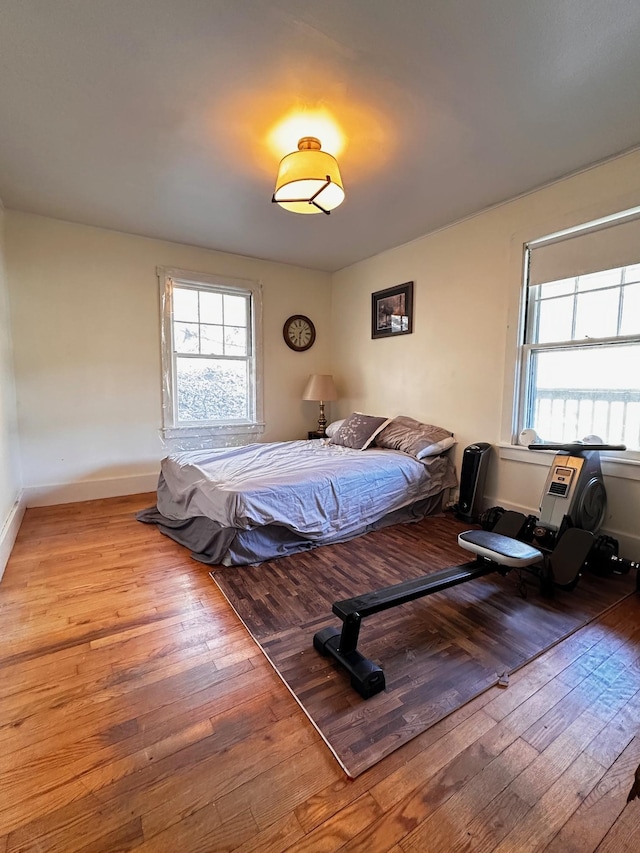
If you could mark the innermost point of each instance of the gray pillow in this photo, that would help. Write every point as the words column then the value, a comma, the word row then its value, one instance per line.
column 414, row 437
column 358, row 431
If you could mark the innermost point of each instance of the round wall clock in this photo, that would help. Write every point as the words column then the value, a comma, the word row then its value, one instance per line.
column 299, row 332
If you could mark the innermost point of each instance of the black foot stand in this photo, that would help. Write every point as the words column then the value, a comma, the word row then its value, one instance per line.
column 366, row 676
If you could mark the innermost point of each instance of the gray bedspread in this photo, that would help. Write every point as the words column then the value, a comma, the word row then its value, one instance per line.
column 249, row 504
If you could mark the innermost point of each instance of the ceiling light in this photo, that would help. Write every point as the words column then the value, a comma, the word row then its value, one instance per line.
column 309, row 180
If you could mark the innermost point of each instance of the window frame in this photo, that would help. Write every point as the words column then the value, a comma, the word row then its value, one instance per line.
column 528, row 348
column 207, row 432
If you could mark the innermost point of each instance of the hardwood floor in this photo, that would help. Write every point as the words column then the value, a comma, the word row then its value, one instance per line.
column 137, row 714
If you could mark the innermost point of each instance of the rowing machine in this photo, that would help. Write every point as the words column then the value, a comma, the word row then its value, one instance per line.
column 496, row 550
column 574, row 493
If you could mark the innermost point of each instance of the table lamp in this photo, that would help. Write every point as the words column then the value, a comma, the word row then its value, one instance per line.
column 321, row 388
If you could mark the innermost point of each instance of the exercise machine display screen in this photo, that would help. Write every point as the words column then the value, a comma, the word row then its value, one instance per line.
column 560, row 481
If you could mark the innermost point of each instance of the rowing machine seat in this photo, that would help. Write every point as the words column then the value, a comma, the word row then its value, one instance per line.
column 500, row 549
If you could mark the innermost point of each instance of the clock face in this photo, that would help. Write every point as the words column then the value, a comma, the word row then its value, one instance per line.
column 299, row 332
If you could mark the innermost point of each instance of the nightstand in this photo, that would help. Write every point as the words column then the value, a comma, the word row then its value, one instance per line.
column 313, row 434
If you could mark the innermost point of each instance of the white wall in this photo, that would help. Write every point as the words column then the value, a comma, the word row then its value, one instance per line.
column 10, row 506
column 86, row 327
column 457, row 369
column 85, row 322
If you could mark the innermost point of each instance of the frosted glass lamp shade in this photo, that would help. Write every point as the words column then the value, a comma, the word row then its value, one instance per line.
column 309, row 180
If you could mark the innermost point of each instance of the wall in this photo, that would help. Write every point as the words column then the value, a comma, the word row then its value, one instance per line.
column 11, row 509
column 86, row 327
column 85, row 321
column 458, row 367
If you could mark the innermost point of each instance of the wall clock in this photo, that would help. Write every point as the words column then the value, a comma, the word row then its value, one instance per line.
column 299, row 332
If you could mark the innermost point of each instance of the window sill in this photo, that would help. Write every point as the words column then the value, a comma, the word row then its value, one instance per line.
column 625, row 465
column 176, row 439
column 211, row 430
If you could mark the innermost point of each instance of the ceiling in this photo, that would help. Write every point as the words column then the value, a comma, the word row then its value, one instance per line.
column 156, row 117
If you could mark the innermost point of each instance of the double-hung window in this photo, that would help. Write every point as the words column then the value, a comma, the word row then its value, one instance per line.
column 210, row 357
column 580, row 367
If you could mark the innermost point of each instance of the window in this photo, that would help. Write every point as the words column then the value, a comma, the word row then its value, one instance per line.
column 581, row 349
column 210, row 355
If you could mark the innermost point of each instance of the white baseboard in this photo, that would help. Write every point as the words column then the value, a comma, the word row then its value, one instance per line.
column 89, row 490
column 629, row 543
column 10, row 530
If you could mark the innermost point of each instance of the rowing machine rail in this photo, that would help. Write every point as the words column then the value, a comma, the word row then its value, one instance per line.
column 366, row 676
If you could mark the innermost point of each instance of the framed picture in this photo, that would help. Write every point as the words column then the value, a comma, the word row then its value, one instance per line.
column 392, row 311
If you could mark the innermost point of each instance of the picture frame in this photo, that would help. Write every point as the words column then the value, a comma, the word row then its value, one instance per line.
column 392, row 311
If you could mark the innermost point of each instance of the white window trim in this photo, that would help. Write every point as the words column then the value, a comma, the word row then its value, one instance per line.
column 626, row 464
column 614, row 463
column 527, row 348
column 204, row 432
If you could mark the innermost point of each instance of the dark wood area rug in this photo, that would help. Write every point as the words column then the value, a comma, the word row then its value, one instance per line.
column 437, row 652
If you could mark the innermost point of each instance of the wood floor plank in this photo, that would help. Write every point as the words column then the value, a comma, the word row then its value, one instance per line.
column 204, row 772
column 334, row 834
column 527, row 713
column 17, row 812
column 600, row 809
column 423, row 801
column 447, row 828
column 200, row 830
column 128, row 836
column 554, row 761
column 280, row 789
column 68, row 828
column 606, row 703
column 614, row 738
column 278, row 837
column 317, row 808
column 554, row 808
column 117, row 705
column 166, row 730
column 497, row 819
column 403, row 781
column 228, row 730
column 623, row 835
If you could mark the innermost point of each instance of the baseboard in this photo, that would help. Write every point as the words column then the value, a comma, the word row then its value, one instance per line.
column 10, row 530
column 89, row 490
column 629, row 543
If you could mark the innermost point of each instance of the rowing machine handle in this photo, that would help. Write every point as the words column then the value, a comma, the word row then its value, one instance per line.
column 577, row 445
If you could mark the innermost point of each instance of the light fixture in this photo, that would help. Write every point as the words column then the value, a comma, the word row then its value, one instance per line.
column 309, row 180
column 321, row 388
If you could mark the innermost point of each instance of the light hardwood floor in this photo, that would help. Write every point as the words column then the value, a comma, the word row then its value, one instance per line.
column 137, row 714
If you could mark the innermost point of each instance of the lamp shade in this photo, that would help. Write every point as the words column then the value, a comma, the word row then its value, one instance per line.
column 309, row 180
column 320, row 387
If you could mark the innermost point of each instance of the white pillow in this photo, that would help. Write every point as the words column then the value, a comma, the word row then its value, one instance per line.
column 436, row 447
column 333, row 428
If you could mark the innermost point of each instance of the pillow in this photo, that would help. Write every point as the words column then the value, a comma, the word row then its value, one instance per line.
column 415, row 438
column 358, row 431
column 436, row 448
column 333, row 428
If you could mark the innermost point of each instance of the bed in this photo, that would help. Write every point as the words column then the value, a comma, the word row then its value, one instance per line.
column 245, row 505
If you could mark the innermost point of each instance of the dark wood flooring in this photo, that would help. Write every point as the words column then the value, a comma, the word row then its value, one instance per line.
column 437, row 652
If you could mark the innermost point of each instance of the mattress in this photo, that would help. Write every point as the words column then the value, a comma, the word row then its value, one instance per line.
column 246, row 504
